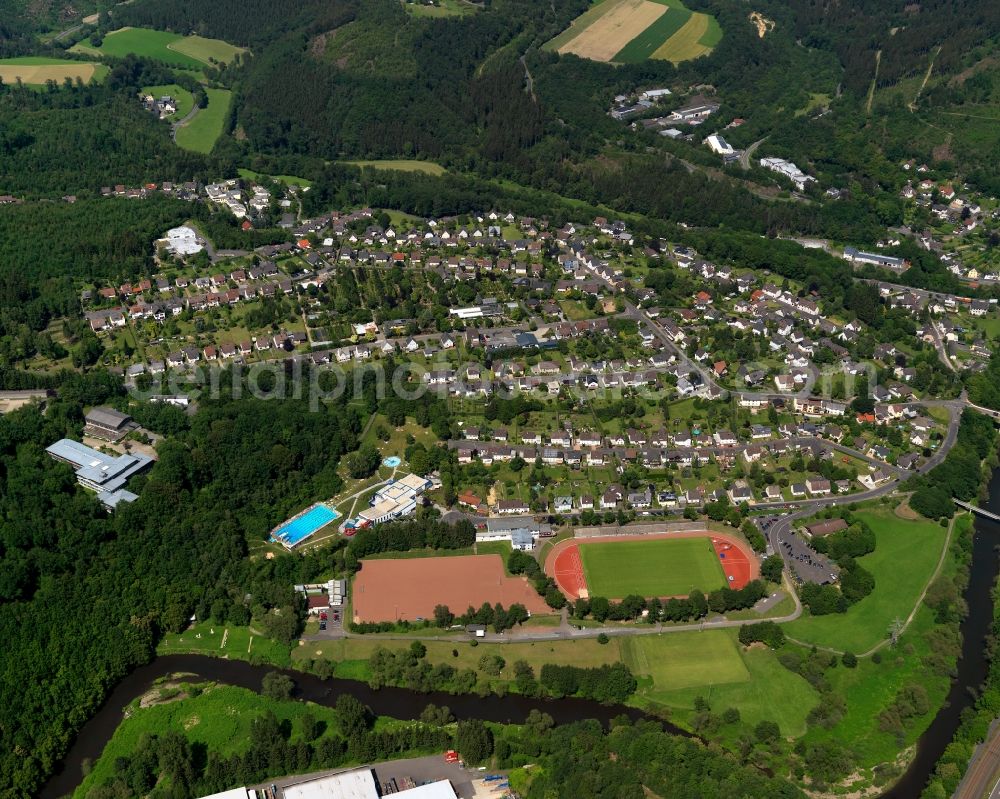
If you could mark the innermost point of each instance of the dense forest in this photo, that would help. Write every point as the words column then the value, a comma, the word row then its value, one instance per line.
column 225, row 477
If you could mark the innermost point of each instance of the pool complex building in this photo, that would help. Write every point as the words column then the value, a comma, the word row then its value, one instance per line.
column 300, row 527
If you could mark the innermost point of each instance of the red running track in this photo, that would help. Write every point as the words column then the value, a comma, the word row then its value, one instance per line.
column 565, row 565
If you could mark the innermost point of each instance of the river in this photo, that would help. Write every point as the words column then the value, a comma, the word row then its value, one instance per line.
column 404, row 704
column 972, row 666
column 396, row 702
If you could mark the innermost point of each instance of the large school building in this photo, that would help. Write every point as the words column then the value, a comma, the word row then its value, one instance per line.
column 105, row 474
column 397, row 498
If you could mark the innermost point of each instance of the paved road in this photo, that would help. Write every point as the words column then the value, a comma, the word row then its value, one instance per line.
column 180, row 123
column 747, row 154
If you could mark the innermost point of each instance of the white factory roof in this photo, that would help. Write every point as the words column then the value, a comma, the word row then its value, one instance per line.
column 356, row 784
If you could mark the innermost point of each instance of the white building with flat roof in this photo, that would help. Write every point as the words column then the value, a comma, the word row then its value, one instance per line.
column 396, row 499
column 358, row 783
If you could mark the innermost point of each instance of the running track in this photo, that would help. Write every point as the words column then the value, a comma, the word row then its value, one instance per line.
column 566, row 567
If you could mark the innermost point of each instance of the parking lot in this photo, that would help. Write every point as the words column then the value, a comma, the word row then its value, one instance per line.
column 808, row 564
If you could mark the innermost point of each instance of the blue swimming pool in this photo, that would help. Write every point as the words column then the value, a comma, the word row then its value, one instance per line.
column 301, row 527
column 392, row 461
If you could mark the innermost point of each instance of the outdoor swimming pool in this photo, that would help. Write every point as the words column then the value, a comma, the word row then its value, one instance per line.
column 392, row 461
column 304, row 525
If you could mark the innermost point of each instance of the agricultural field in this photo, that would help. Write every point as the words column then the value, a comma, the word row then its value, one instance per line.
column 190, row 52
column 402, row 165
column 906, row 554
column 663, row 567
column 201, row 133
column 37, row 70
column 631, row 31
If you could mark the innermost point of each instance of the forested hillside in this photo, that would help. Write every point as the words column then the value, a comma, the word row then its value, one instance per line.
column 85, row 596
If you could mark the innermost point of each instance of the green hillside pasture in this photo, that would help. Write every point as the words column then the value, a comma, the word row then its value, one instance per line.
column 288, row 180
column 37, row 70
column 201, row 133
column 206, row 50
column 184, row 98
column 906, row 553
column 712, row 665
column 188, row 52
column 402, row 165
column 658, row 567
column 650, row 40
column 141, row 42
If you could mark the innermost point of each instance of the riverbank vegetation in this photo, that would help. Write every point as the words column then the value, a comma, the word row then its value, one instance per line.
column 960, row 475
column 977, row 724
column 203, row 738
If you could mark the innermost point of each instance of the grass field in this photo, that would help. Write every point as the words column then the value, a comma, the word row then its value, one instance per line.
column 201, row 133
column 663, row 567
column 906, row 553
column 724, row 674
column 631, row 31
column 288, row 180
column 352, row 654
column 191, row 52
column 206, row 638
column 206, row 50
column 37, row 70
column 683, row 660
column 402, row 165
column 185, row 101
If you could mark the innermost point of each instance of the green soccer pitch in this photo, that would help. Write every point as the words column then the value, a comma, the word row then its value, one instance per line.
column 661, row 567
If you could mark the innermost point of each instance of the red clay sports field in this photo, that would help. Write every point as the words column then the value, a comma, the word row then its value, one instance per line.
column 565, row 564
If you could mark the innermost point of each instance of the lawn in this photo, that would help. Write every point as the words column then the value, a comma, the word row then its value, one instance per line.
column 37, row 70
column 767, row 691
column 906, row 553
column 402, row 165
column 683, row 660
column 661, row 567
column 201, row 133
column 184, row 99
column 351, row 654
column 242, row 643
